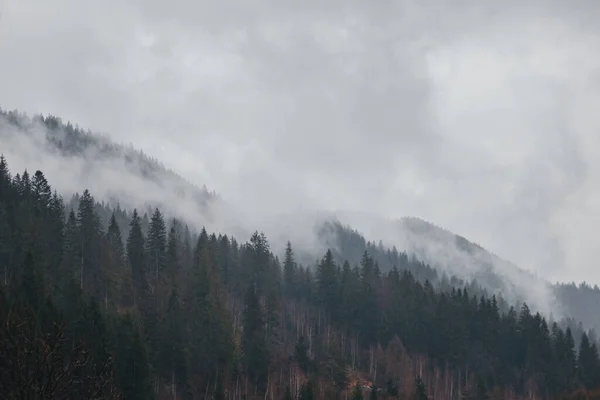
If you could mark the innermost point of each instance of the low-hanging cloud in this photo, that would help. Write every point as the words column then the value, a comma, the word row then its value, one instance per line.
column 477, row 116
column 120, row 174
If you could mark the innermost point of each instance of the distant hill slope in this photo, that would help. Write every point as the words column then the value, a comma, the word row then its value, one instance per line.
column 455, row 254
column 94, row 160
column 90, row 160
column 442, row 251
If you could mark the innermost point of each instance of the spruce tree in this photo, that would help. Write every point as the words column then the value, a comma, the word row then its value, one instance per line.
column 208, row 321
column 5, row 178
column 259, row 261
column 132, row 371
column 90, row 274
column 136, row 255
column 171, row 352
column 588, row 363
column 156, row 248
column 42, row 192
column 256, row 353
column 328, row 285
column 5, row 246
column 289, row 272
column 173, row 261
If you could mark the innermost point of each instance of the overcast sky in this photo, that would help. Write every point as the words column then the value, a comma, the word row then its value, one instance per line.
column 482, row 117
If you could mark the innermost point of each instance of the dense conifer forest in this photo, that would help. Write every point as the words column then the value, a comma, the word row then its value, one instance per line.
column 99, row 302
column 165, row 313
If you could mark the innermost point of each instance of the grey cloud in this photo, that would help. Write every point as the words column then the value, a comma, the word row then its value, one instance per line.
column 479, row 116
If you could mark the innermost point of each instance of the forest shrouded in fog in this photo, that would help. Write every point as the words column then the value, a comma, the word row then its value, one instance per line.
column 104, row 301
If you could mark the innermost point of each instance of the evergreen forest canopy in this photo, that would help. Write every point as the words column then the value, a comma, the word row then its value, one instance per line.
column 87, row 153
column 98, row 302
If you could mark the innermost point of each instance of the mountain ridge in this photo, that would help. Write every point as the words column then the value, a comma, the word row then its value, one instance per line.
column 434, row 245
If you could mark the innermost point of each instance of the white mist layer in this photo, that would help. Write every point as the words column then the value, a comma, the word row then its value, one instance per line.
column 114, row 178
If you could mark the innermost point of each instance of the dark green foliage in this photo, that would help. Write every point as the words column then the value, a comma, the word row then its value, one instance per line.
column 89, row 229
column 156, row 249
column 132, row 372
column 136, row 256
column 171, row 352
column 156, row 316
column 258, row 261
column 209, row 331
column 328, row 285
column 5, row 246
column 174, row 257
column 256, row 353
column 290, row 272
column 40, row 359
column 588, row 363
column 301, row 354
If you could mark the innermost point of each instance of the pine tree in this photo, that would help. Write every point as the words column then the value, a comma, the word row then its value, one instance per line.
column 42, row 193
column 368, row 312
column 132, row 371
column 24, row 186
column 569, row 358
column 114, row 236
column 209, row 321
column 259, row 261
column 90, row 274
column 115, row 259
column 56, row 235
column 136, row 255
column 588, row 363
column 256, row 353
column 328, row 285
column 301, row 354
column 227, row 267
column 5, row 245
column 156, row 248
column 171, row 353
column 31, row 287
column 5, row 178
column 289, row 272
column 173, row 260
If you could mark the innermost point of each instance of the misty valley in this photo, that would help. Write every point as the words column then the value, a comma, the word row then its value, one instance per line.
column 138, row 284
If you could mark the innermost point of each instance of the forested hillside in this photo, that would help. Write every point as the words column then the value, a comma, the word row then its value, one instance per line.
column 87, row 151
column 90, row 313
column 442, row 250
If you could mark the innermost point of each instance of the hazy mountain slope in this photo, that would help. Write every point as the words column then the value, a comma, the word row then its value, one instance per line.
column 119, row 173
column 82, row 159
column 457, row 255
